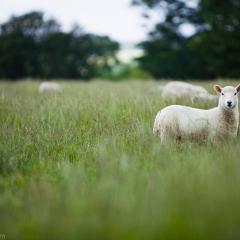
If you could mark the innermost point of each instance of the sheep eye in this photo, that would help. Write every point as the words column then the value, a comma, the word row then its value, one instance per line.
column 235, row 93
column 222, row 94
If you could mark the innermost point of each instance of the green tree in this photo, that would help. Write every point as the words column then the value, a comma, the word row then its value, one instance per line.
column 19, row 44
column 212, row 51
column 32, row 46
column 66, row 55
column 219, row 36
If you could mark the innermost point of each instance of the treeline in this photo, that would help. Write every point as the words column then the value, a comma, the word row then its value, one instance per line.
column 32, row 46
column 212, row 51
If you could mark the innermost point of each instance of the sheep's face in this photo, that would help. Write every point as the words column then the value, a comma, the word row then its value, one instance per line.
column 228, row 96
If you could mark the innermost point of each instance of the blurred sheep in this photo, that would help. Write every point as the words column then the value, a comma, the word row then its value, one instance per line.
column 177, row 89
column 49, row 87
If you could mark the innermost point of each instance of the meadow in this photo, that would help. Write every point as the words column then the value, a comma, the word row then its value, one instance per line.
column 84, row 164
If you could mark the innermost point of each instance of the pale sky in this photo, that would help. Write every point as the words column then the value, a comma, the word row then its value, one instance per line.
column 115, row 18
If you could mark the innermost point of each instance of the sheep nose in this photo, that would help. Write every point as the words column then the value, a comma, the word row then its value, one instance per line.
column 229, row 103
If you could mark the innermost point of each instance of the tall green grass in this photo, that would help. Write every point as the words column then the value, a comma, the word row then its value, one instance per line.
column 83, row 164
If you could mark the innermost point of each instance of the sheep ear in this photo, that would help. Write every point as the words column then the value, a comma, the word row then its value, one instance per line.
column 218, row 88
column 238, row 87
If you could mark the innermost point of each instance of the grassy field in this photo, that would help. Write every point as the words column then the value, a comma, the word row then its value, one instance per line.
column 83, row 164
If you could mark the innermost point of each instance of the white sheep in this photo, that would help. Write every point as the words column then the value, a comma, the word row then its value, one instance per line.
column 177, row 89
column 181, row 122
column 49, row 87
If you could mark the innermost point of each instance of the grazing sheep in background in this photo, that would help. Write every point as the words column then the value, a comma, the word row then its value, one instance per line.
column 181, row 122
column 49, row 87
column 176, row 89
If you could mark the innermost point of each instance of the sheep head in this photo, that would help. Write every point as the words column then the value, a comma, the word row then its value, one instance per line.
column 227, row 96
